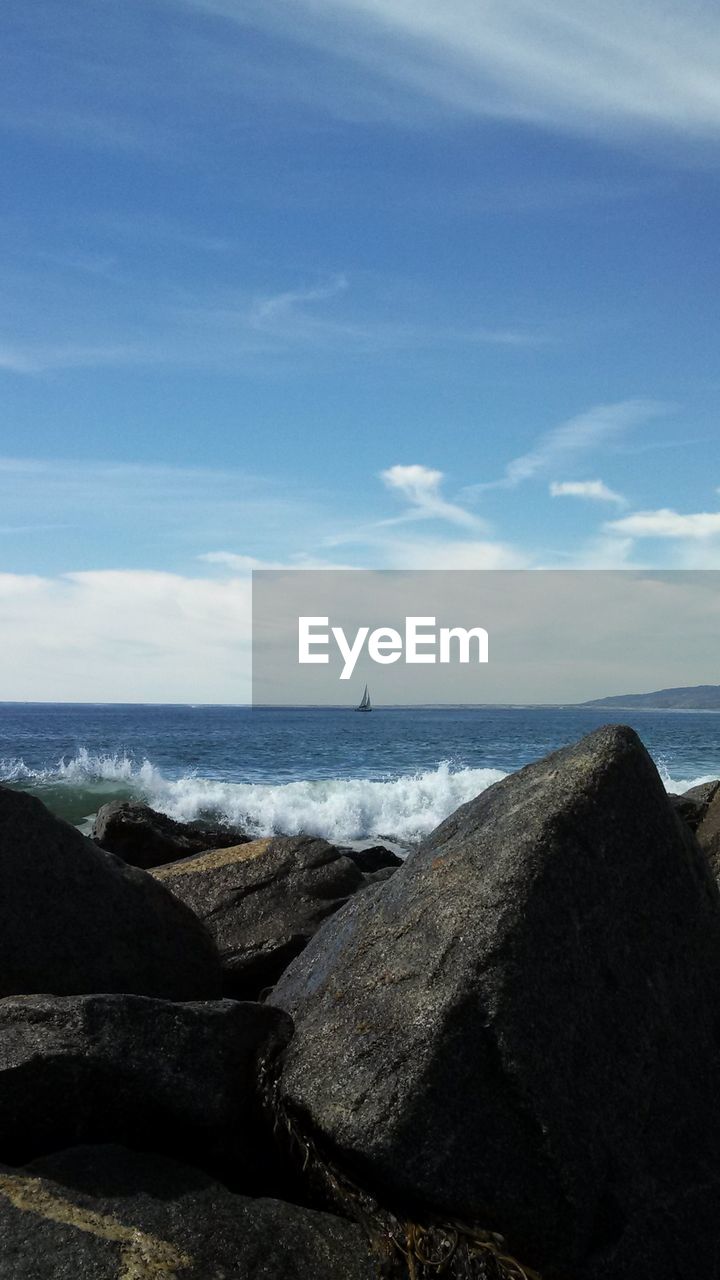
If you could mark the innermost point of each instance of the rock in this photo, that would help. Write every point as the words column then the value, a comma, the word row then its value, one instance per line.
column 263, row 901
column 677, row 1238
column 703, row 792
column 375, row 858
column 376, row 877
column 103, row 1213
column 708, row 828
column 521, row 1028
column 144, row 838
column 693, row 804
column 175, row 1078
column 688, row 809
column 74, row 919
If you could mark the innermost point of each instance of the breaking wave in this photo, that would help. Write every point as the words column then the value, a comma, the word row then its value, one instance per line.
column 403, row 809
column 677, row 785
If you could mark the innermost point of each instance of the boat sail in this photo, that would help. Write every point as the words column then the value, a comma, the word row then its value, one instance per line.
column 364, row 704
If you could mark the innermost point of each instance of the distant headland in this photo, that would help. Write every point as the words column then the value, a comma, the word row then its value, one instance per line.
column 698, row 697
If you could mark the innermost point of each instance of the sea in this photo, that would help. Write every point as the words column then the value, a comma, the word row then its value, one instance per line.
column 391, row 775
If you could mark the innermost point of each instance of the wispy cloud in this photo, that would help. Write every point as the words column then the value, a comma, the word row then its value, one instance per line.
column 420, row 486
column 157, row 512
column 666, row 523
column 459, row 553
column 568, row 64
column 85, row 129
column 217, row 328
column 91, row 264
column 603, row 551
column 43, row 357
column 297, row 316
column 593, row 490
column 238, row 563
column 276, row 310
column 583, row 434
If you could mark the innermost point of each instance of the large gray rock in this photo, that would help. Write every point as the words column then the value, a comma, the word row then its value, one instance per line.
column 155, row 1074
column 263, row 901
column 522, row 1026
column 74, row 919
column 145, row 838
column 102, row 1213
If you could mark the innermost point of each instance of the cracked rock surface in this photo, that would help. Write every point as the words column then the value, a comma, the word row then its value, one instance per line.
column 521, row 1026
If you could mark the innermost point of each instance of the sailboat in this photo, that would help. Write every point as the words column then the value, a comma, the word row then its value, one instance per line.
column 364, row 704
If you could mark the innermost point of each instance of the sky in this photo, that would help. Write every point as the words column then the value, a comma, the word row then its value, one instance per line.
column 337, row 283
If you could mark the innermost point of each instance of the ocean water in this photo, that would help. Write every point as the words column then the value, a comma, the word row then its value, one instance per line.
column 393, row 774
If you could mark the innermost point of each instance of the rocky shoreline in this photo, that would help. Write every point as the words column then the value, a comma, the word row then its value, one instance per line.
column 224, row 1058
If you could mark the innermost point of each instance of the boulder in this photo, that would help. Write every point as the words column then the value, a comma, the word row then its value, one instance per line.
column 144, row 838
column 103, row 1213
column 708, row 828
column 375, row 877
column 674, row 1237
column 521, row 1028
column 375, row 858
column 155, row 1074
column 693, row 804
column 263, row 901
column 703, row 793
column 74, row 919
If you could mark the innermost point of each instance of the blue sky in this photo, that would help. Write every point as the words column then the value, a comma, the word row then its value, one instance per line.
column 360, row 282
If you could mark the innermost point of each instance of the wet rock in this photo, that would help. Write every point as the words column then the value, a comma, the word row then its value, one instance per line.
column 676, row 1237
column 708, row 828
column 693, row 804
column 263, row 901
column 145, row 838
column 521, row 1028
column 376, row 877
column 375, row 858
column 159, row 1075
column 74, row 919
column 688, row 809
column 103, row 1213
column 703, row 793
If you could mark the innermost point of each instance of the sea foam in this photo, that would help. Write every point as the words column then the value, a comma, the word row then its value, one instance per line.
column 403, row 808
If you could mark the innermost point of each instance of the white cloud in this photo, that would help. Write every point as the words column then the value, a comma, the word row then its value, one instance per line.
column 607, row 551
column 667, row 523
column 238, row 563
column 456, row 554
column 245, row 564
column 594, row 490
column 145, row 635
column 570, row 64
column 125, row 636
column 421, row 487
column 585, row 433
